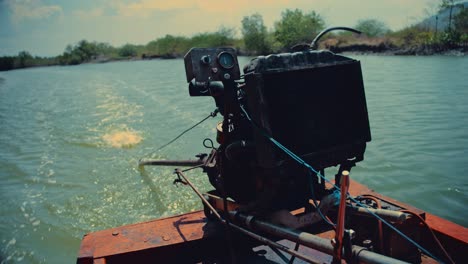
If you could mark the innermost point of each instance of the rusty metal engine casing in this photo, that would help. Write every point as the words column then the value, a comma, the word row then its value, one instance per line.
column 313, row 102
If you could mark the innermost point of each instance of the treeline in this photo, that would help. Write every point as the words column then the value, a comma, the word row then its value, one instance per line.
column 166, row 47
column 421, row 38
column 418, row 39
column 84, row 51
column 24, row 60
column 294, row 27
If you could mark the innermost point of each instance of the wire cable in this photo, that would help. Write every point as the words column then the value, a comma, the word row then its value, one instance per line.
column 212, row 114
column 314, row 200
column 432, row 233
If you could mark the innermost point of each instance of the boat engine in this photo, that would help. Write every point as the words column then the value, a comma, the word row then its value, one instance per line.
column 311, row 101
column 285, row 120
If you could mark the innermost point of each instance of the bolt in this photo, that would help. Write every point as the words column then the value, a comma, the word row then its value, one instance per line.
column 351, row 233
column 368, row 244
column 227, row 76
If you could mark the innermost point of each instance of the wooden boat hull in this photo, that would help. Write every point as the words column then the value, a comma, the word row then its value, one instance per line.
column 191, row 238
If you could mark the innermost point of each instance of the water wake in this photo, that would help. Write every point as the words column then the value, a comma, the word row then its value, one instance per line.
column 122, row 139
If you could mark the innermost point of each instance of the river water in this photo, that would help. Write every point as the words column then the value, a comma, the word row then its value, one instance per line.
column 71, row 137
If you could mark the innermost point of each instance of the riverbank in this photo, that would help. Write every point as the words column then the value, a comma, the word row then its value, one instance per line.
column 391, row 50
column 391, row 46
column 361, row 48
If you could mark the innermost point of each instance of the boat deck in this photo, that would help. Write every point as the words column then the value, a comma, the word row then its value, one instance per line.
column 191, row 238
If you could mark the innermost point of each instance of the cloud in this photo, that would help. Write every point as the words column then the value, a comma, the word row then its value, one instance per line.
column 31, row 9
column 95, row 12
column 147, row 7
column 240, row 5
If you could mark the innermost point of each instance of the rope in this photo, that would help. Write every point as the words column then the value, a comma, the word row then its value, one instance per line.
column 306, row 165
column 212, row 114
column 450, row 260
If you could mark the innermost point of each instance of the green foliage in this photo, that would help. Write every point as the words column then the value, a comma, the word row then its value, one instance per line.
column 445, row 4
column 464, row 38
column 87, row 50
column 460, row 21
column 7, row 63
column 372, row 27
column 255, row 34
column 413, row 36
column 296, row 27
column 128, row 50
column 171, row 45
column 24, row 59
column 105, row 50
column 223, row 37
column 450, row 4
column 449, row 38
column 82, row 52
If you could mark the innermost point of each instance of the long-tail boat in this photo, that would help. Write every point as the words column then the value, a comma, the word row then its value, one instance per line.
column 286, row 119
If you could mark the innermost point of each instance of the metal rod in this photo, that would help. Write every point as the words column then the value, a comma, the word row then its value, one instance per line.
column 340, row 225
column 180, row 163
column 245, row 231
column 275, row 244
column 314, row 43
column 389, row 215
column 181, row 174
column 362, row 255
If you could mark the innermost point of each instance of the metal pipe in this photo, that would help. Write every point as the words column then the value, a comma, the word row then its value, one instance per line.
column 389, row 215
column 314, row 43
column 362, row 255
column 340, row 225
column 275, row 245
column 180, row 163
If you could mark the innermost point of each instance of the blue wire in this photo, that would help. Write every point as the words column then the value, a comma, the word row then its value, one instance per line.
column 302, row 162
column 315, row 203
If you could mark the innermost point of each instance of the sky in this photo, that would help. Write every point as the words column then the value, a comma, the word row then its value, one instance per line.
column 46, row 27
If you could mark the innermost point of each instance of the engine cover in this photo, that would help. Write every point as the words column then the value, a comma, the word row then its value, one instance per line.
column 313, row 102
